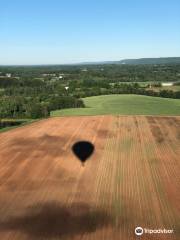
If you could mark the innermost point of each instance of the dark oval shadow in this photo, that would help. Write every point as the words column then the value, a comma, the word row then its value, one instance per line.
column 83, row 150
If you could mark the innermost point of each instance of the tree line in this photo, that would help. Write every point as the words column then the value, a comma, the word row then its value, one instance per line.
column 30, row 93
column 20, row 107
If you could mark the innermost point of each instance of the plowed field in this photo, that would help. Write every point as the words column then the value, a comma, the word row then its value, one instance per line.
column 131, row 180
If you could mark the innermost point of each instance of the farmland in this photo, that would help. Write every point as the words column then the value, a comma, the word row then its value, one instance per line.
column 34, row 92
column 131, row 180
column 124, row 104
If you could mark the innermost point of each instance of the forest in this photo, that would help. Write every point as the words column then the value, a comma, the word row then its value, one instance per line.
column 34, row 91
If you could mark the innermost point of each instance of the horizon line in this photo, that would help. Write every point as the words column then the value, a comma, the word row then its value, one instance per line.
column 83, row 63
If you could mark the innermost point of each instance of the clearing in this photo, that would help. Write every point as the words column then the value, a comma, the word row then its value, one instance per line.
column 124, row 104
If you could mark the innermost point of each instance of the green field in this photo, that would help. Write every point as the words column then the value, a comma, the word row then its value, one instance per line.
column 124, row 105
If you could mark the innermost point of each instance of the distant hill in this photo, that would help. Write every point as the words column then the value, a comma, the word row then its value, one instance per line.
column 139, row 61
column 167, row 60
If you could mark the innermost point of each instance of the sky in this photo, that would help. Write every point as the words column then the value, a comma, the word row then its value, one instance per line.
column 72, row 31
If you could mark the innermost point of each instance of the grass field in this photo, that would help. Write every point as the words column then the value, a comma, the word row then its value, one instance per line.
column 124, row 105
column 131, row 180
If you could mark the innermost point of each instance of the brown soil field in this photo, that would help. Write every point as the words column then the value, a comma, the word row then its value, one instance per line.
column 131, row 180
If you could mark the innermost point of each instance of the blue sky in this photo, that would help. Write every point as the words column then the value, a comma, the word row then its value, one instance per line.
column 70, row 31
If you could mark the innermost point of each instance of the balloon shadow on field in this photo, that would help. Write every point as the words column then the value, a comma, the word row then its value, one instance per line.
column 52, row 220
column 83, row 150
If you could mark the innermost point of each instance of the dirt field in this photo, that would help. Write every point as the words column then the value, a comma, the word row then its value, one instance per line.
column 131, row 180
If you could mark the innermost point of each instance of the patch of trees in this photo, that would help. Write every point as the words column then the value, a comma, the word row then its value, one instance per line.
column 104, row 72
column 177, row 84
column 32, row 92
column 9, row 82
column 58, row 102
column 10, row 123
column 19, row 107
column 134, row 88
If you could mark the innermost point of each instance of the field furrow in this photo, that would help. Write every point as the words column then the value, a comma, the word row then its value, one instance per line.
column 132, row 179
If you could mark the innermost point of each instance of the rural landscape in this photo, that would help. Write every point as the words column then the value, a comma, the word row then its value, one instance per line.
column 131, row 179
column 89, row 120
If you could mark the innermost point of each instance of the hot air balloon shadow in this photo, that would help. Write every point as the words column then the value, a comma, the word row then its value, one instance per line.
column 83, row 150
